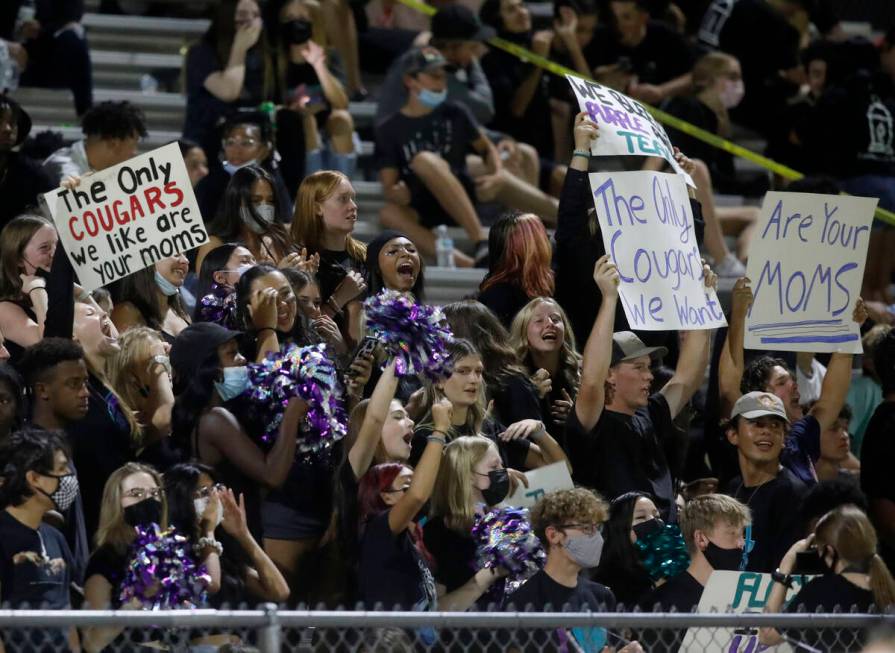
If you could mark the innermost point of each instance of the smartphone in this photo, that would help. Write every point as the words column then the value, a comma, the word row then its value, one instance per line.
column 366, row 348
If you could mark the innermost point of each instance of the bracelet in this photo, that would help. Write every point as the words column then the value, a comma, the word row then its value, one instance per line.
column 442, row 433
column 44, row 288
column 334, row 304
column 582, row 153
column 784, row 579
column 437, row 438
column 540, row 433
column 209, row 543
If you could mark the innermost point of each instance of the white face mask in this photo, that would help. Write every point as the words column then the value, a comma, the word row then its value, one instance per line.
column 201, row 504
column 732, row 93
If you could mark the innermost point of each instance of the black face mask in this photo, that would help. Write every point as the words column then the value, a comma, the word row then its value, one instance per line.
column 148, row 511
column 296, row 32
column 499, row 488
column 645, row 529
column 723, row 559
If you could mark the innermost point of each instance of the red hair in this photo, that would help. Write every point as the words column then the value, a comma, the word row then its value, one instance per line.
column 524, row 258
column 370, row 487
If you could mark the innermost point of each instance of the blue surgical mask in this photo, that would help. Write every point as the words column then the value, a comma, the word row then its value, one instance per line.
column 236, row 381
column 432, row 99
column 168, row 289
column 233, row 167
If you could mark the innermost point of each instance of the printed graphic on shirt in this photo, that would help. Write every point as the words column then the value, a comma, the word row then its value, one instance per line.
column 879, row 122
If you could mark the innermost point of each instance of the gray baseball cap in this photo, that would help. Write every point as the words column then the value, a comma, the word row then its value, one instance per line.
column 627, row 346
column 758, row 404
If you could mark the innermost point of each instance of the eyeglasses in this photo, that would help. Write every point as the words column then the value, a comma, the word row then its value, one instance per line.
column 240, row 142
column 140, row 493
column 587, row 529
column 391, row 491
column 395, row 249
column 206, row 491
column 286, row 296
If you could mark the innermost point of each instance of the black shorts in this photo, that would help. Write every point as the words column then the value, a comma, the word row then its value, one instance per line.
column 431, row 214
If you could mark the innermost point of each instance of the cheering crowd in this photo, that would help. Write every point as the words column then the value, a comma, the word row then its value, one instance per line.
column 130, row 418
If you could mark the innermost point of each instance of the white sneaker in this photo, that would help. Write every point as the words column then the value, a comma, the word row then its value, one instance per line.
column 730, row 267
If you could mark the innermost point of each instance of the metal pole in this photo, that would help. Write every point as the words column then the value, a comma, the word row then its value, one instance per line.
column 269, row 635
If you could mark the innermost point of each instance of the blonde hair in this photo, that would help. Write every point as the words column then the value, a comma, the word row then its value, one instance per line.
column 452, row 497
column 709, row 67
column 476, row 414
column 848, row 530
column 113, row 531
column 569, row 358
column 307, row 226
column 705, row 512
column 134, row 347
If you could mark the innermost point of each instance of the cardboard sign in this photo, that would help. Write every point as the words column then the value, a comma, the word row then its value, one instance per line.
column 647, row 227
column 540, row 481
column 739, row 592
column 626, row 127
column 127, row 217
column 806, row 265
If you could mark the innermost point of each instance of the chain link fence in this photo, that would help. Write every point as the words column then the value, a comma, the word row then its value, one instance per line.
column 269, row 630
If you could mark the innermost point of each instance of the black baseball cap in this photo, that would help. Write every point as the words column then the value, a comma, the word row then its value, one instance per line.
column 458, row 23
column 195, row 344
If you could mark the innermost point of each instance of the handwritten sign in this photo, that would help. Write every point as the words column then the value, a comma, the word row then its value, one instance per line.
column 540, row 481
column 127, row 217
column 647, row 227
column 738, row 592
column 806, row 266
column 626, row 127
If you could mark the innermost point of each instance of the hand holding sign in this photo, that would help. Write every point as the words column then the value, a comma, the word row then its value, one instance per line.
column 606, row 276
column 127, row 217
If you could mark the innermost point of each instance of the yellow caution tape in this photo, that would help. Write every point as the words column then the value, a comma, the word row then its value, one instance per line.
column 666, row 118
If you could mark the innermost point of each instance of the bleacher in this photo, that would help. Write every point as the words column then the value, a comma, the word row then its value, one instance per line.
column 141, row 59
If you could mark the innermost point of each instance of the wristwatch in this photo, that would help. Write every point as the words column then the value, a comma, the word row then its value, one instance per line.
column 779, row 577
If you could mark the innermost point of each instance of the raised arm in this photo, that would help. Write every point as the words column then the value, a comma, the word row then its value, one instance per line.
column 361, row 453
column 227, row 84
column 226, row 435
column 732, row 363
column 598, row 350
column 691, row 364
column 837, row 380
column 403, row 512
column 574, row 200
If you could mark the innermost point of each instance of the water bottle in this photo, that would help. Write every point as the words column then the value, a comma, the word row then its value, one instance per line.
column 27, row 11
column 148, row 84
column 444, row 247
column 9, row 70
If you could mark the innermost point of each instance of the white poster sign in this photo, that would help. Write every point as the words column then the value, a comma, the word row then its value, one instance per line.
column 738, row 592
column 806, row 265
column 540, row 481
column 127, row 217
column 626, row 127
column 647, row 227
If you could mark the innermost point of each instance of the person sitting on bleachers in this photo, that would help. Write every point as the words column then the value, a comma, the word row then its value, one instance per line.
column 421, row 155
column 21, row 178
column 112, row 131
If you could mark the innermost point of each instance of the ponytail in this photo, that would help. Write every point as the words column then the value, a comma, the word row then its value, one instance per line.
column 881, row 583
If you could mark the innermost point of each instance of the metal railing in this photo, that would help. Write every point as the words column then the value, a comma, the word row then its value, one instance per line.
column 271, row 630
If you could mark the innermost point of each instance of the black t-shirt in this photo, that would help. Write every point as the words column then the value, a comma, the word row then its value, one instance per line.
column 831, row 593
column 35, row 572
column 623, row 453
column 210, row 191
column 541, row 593
column 505, row 300
column 392, row 570
column 661, row 56
column 679, row 594
column 515, row 398
column 101, row 443
column 449, row 131
column 877, row 454
column 506, row 73
column 776, row 521
column 512, row 453
column 111, row 565
column 694, row 111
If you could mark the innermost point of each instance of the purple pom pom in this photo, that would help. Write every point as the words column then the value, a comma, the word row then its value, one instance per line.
column 505, row 540
column 416, row 335
column 219, row 306
column 161, row 572
column 308, row 373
